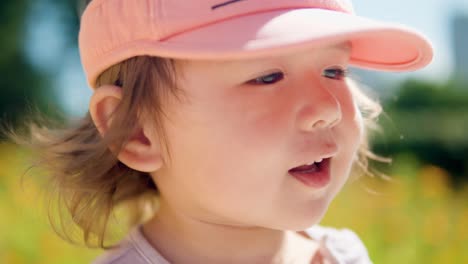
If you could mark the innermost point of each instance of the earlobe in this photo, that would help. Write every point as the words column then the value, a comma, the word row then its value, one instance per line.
column 141, row 155
column 141, row 152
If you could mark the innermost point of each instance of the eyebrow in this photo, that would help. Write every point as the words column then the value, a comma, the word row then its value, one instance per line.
column 344, row 46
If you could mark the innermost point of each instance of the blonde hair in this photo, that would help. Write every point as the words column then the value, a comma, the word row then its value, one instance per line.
column 89, row 182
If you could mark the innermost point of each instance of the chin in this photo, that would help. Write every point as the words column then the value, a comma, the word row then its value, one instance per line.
column 298, row 225
column 299, row 220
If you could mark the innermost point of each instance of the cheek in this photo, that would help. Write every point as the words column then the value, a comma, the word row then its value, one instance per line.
column 227, row 151
column 353, row 126
column 349, row 134
column 350, row 130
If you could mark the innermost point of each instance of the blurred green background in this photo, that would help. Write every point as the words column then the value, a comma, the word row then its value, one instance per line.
column 420, row 215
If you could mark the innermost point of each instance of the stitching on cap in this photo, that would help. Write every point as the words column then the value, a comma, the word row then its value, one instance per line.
column 225, row 4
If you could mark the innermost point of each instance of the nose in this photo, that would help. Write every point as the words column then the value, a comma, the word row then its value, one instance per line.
column 320, row 108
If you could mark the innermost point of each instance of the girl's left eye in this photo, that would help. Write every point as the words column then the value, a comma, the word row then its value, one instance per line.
column 335, row 73
column 267, row 79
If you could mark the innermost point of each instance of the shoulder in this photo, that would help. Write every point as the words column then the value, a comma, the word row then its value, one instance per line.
column 134, row 249
column 343, row 244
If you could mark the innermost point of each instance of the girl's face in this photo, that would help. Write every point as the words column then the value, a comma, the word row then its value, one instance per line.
column 245, row 124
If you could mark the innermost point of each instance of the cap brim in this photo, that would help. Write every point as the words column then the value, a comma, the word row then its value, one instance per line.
column 375, row 44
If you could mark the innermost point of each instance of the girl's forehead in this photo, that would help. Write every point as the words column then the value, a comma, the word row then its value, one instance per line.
column 340, row 49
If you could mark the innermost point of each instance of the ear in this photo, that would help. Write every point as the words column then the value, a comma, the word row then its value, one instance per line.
column 142, row 152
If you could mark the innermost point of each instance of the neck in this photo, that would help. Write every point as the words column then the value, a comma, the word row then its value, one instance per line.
column 184, row 239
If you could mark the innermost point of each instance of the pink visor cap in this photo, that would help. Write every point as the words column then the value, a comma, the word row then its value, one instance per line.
column 114, row 30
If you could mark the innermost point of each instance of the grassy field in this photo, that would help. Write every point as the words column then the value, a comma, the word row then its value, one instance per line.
column 416, row 217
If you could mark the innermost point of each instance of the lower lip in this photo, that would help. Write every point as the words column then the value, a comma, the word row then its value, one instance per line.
column 317, row 179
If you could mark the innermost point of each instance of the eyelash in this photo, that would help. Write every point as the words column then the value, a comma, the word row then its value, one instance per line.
column 341, row 74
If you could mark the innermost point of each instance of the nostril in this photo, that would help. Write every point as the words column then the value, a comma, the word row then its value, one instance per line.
column 322, row 123
column 319, row 124
column 324, row 114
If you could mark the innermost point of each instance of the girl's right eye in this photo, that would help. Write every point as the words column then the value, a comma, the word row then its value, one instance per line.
column 267, row 79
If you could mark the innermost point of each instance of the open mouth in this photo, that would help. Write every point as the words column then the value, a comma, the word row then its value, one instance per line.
column 315, row 175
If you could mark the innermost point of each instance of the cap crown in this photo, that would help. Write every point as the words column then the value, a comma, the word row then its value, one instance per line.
column 118, row 22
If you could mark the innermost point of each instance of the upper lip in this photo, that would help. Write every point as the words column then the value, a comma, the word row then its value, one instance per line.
column 313, row 160
column 332, row 151
column 317, row 148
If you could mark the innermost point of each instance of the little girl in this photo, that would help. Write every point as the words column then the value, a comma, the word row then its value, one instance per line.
column 237, row 116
